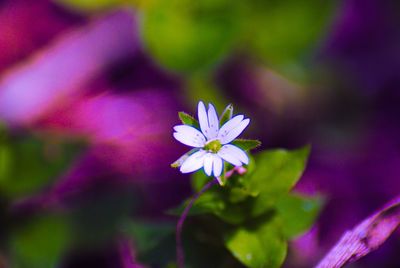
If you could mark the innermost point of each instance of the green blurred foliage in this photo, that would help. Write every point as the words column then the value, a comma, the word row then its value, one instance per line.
column 28, row 164
column 284, row 34
column 40, row 242
column 189, row 35
column 92, row 5
column 196, row 36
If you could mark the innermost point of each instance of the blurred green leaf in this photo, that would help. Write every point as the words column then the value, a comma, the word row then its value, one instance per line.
column 189, row 35
column 246, row 144
column 188, row 120
column 28, row 164
column 226, row 115
column 276, row 172
column 40, row 243
column 260, row 246
column 297, row 213
column 284, row 33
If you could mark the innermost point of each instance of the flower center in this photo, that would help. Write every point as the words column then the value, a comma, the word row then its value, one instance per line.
column 213, row 146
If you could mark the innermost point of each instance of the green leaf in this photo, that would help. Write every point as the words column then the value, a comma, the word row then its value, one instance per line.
column 182, row 159
column 258, row 247
column 246, row 144
column 226, row 115
column 40, row 243
column 188, row 120
column 276, row 172
column 297, row 213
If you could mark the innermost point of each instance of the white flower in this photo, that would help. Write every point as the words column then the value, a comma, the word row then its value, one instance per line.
column 212, row 142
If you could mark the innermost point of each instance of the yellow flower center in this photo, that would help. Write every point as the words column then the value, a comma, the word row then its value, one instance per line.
column 213, row 146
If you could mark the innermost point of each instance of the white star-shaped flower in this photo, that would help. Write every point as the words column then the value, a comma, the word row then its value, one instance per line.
column 212, row 142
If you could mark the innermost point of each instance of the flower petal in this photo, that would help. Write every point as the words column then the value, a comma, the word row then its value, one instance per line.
column 189, row 136
column 217, row 165
column 227, row 135
column 194, row 162
column 208, row 163
column 236, row 152
column 228, row 126
column 213, row 122
column 228, row 157
column 203, row 118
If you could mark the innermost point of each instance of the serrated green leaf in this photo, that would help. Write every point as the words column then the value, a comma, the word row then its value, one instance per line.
column 276, row 172
column 297, row 213
column 246, row 144
column 189, row 120
column 226, row 115
column 263, row 246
